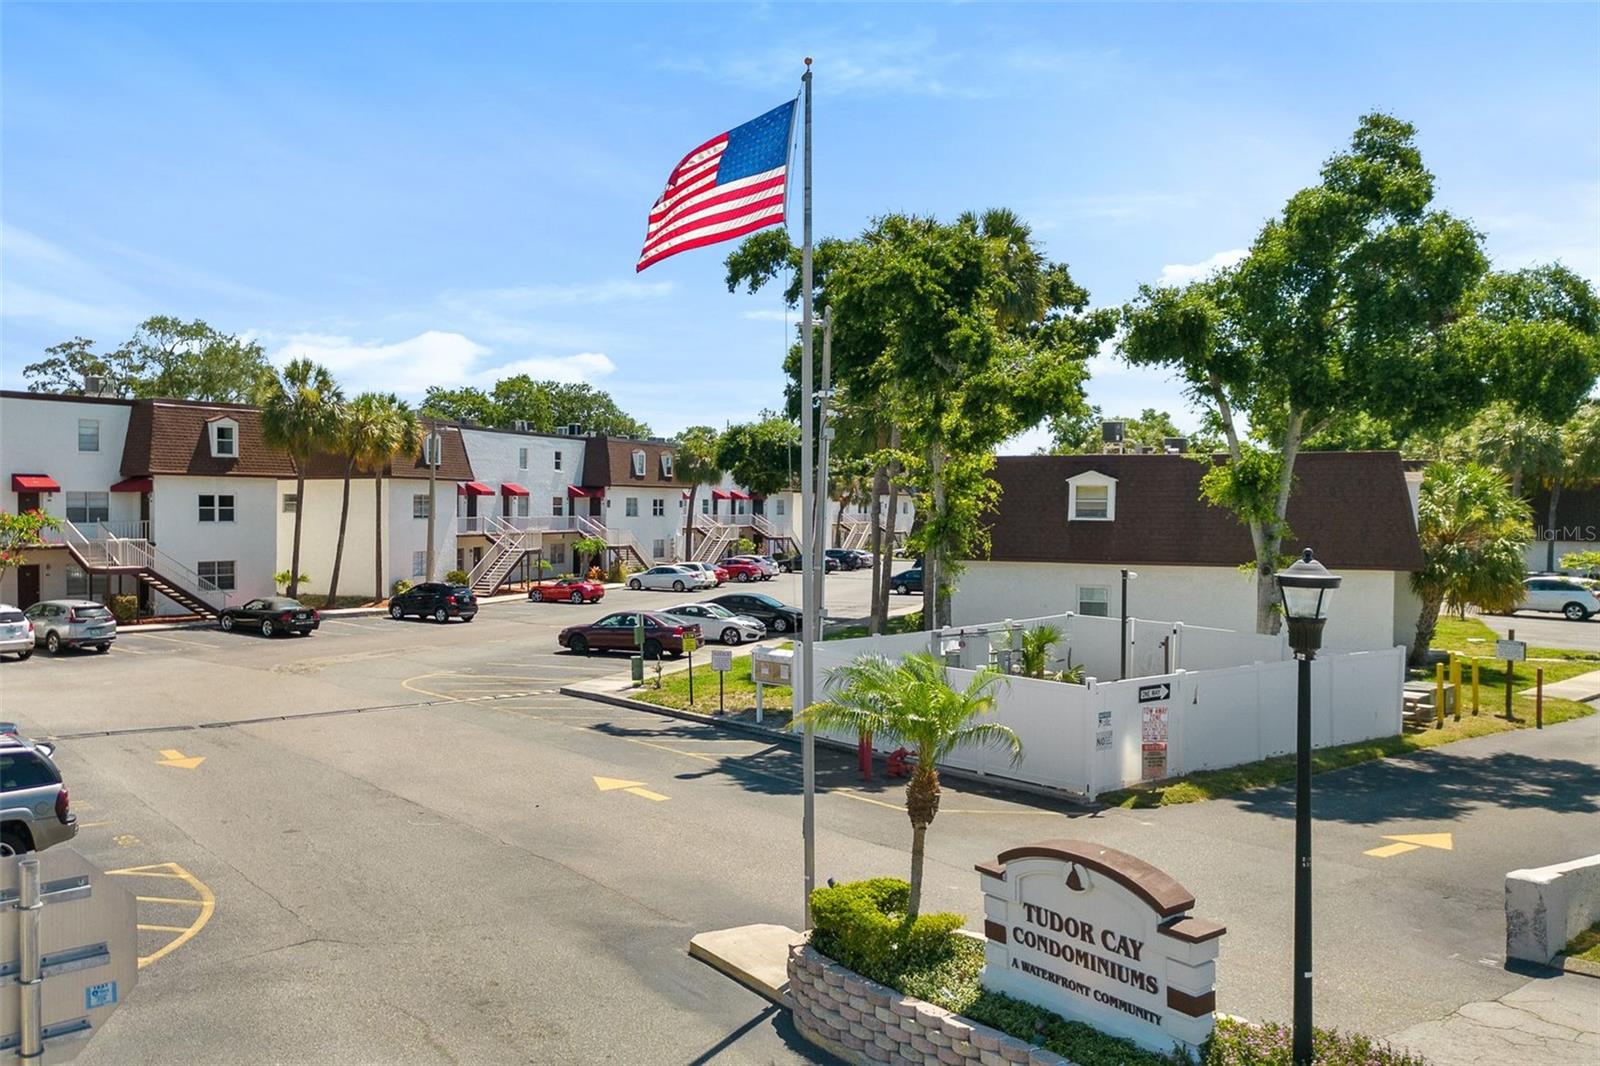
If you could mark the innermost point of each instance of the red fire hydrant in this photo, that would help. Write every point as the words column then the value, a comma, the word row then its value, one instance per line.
column 899, row 763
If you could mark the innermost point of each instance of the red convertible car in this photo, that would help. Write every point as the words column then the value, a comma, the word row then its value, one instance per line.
column 570, row 589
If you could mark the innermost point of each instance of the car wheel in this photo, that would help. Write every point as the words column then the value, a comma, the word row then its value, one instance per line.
column 1576, row 612
column 743, row 576
column 227, row 623
column 535, row 595
column 396, row 612
column 677, row 586
column 13, row 843
column 102, row 648
column 25, row 653
column 780, row 624
column 901, row 590
column 636, row 584
column 441, row 615
column 578, row 646
column 52, row 643
column 267, row 628
column 730, row 636
column 576, row 597
column 652, row 648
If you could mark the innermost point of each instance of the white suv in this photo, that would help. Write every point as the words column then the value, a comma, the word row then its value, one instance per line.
column 1561, row 595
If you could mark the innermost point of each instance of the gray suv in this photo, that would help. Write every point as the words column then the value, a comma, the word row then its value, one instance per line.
column 62, row 624
column 35, row 812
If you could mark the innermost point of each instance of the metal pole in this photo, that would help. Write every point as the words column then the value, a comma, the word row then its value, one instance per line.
column 1122, row 643
column 1538, row 699
column 808, row 745
column 824, row 442
column 1302, row 871
column 431, row 454
column 32, row 985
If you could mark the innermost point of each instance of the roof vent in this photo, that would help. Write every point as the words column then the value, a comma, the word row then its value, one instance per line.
column 1174, row 445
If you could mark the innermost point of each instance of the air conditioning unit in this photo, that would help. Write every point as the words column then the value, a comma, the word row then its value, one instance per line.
column 1174, row 445
column 93, row 384
column 522, row 425
column 1111, row 432
column 574, row 429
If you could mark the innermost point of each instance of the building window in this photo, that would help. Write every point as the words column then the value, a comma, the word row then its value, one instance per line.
column 216, row 508
column 905, row 507
column 432, row 449
column 291, row 503
column 558, row 460
column 558, row 552
column 218, row 572
column 705, row 505
column 631, row 507
column 88, row 434
column 555, row 506
column 461, row 558
column 225, row 439
column 421, row 506
column 658, row 548
column 638, row 462
column 522, row 507
column 419, row 564
column 658, row 507
column 522, row 458
column 1094, row 600
column 666, row 467
column 88, row 507
column 82, row 585
column 1091, row 497
column 779, row 502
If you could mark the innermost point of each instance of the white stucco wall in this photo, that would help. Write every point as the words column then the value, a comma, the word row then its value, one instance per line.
column 1536, row 555
column 1364, row 614
column 41, row 437
column 319, row 535
column 249, row 541
column 495, row 458
column 406, row 535
column 647, row 527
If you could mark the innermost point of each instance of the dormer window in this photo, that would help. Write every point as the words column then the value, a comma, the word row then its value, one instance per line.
column 666, row 466
column 638, row 462
column 1091, row 497
column 225, row 439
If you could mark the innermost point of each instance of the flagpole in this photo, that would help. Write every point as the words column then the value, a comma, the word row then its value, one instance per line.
column 810, row 557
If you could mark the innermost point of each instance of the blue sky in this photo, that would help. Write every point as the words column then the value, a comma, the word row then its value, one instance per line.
column 419, row 194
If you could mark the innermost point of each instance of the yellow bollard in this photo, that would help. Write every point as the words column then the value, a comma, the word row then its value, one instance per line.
column 1455, row 684
column 1474, row 687
column 1438, row 696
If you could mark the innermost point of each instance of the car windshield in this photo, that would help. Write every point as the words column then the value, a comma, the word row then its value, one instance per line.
column 10, row 616
column 283, row 604
column 765, row 600
column 715, row 610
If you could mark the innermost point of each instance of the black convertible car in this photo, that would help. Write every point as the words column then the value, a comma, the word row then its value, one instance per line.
column 271, row 615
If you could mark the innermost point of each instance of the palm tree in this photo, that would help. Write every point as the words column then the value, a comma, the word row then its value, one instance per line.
column 1525, row 446
column 375, row 427
column 299, row 414
column 1473, row 531
column 912, row 703
column 695, row 465
column 1036, row 645
column 1575, row 464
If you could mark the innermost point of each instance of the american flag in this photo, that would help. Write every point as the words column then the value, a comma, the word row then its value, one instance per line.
column 729, row 186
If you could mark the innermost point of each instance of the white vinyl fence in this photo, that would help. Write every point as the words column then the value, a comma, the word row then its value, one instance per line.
column 1234, row 704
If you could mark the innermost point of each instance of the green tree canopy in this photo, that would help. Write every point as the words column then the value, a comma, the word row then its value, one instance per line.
column 165, row 357
column 545, row 405
column 301, row 409
column 763, row 456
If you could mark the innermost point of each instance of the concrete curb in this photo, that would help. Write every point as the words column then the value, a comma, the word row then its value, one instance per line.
column 1580, row 966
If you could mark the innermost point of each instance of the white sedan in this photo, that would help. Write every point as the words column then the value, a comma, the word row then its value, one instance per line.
column 671, row 578
column 1562, row 595
column 717, row 622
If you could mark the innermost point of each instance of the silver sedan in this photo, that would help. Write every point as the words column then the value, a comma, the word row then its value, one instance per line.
column 717, row 622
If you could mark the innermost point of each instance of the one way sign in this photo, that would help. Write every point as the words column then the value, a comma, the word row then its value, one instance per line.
column 1149, row 693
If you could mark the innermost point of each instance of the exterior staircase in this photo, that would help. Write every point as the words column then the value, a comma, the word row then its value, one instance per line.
column 857, row 532
column 619, row 541
column 715, row 538
column 776, row 541
column 509, row 543
column 99, row 551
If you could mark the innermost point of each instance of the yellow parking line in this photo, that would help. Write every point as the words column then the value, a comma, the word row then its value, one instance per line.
column 207, row 902
column 169, row 899
column 163, row 928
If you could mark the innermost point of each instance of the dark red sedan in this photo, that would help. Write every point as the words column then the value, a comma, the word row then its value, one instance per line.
column 615, row 632
column 570, row 589
column 739, row 570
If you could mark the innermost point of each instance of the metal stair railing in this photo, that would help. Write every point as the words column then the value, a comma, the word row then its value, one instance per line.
column 139, row 554
column 507, row 544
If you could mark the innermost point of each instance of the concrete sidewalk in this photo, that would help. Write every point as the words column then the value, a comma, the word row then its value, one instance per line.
column 1583, row 688
column 1550, row 1021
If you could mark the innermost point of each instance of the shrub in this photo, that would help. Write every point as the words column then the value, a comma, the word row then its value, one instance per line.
column 862, row 924
column 456, row 577
column 281, row 579
column 1239, row 1043
column 743, row 546
column 618, row 572
column 400, row 587
column 124, row 608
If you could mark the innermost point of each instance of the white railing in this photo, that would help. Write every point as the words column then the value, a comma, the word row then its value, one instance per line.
column 135, row 529
column 107, row 551
column 493, row 525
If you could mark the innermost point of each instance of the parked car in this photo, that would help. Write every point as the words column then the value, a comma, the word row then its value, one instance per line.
column 571, row 589
column 794, row 563
column 16, row 633
column 742, row 570
column 768, row 610
column 35, row 810
column 1562, row 595
column 271, row 615
column 614, row 632
column 768, row 565
column 438, row 600
column 718, row 622
column 713, row 570
column 62, row 624
column 907, row 581
column 847, row 558
column 677, row 577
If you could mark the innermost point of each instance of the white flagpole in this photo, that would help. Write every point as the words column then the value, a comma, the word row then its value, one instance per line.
column 809, row 556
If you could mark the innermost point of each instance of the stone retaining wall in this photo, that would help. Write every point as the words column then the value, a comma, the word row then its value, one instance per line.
column 863, row 1022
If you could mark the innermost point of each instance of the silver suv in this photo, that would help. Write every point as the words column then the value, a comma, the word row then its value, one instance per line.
column 35, row 812
column 61, row 624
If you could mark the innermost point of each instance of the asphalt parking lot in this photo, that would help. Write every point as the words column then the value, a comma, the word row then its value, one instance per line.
column 386, row 843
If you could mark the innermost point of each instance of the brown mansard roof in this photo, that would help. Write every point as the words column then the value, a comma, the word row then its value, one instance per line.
column 169, row 437
column 1351, row 507
column 608, row 461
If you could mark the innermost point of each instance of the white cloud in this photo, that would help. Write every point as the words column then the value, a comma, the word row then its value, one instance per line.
column 1184, row 273
column 434, row 357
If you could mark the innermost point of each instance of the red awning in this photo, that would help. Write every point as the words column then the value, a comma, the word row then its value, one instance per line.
column 134, row 484
column 34, row 483
column 508, row 489
column 736, row 494
column 473, row 488
column 718, row 494
column 686, row 494
column 575, row 493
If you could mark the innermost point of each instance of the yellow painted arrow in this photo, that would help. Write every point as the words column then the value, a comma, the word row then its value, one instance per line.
column 1411, row 842
column 611, row 784
column 174, row 757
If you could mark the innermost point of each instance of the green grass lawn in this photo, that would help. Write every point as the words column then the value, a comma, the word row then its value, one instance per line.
column 1469, row 636
column 738, row 697
column 1586, row 945
column 899, row 623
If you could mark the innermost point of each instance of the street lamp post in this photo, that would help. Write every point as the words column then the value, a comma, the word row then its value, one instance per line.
column 1122, row 674
column 1305, row 587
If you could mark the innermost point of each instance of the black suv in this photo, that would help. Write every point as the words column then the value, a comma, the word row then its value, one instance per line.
column 436, row 600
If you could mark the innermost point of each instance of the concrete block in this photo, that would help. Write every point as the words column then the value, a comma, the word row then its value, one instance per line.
column 884, row 1015
column 920, row 1043
column 986, row 1039
column 1040, row 1057
column 756, row 956
column 1549, row 905
column 853, row 1042
column 849, row 1012
column 937, row 1039
column 950, row 1057
column 859, row 1002
column 905, row 1008
column 1013, row 1050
